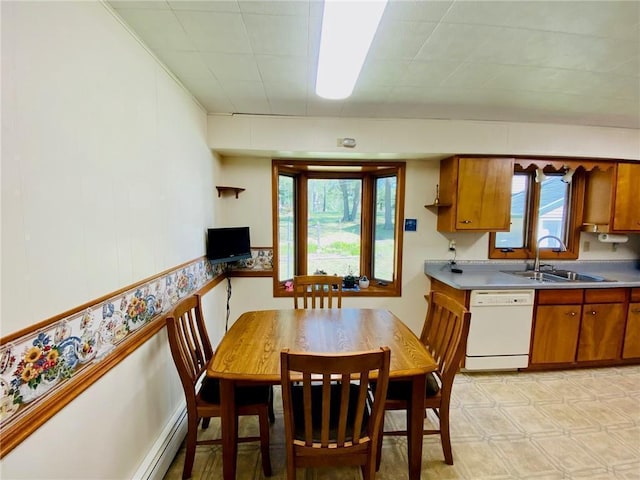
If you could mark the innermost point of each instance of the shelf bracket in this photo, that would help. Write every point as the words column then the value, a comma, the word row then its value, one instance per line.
column 236, row 190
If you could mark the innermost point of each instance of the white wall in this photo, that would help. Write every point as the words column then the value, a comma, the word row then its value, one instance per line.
column 106, row 179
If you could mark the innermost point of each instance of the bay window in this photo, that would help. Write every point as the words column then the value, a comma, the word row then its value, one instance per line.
column 338, row 217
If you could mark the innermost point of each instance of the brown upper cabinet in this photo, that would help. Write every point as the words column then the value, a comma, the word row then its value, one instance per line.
column 626, row 214
column 611, row 199
column 475, row 194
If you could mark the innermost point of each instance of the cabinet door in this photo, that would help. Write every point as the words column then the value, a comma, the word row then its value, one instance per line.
column 484, row 194
column 626, row 214
column 555, row 334
column 632, row 335
column 601, row 331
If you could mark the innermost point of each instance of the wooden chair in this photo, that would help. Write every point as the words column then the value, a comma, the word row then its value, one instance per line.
column 330, row 417
column 312, row 289
column 444, row 333
column 191, row 351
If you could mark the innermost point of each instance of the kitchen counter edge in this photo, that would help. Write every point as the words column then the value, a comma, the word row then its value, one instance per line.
column 495, row 276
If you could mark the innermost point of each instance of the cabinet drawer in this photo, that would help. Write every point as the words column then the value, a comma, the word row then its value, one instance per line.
column 605, row 295
column 635, row 295
column 560, row 297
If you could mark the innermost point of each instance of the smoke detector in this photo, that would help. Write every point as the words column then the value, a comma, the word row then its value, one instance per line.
column 347, row 142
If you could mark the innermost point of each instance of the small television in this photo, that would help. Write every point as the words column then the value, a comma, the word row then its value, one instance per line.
column 226, row 245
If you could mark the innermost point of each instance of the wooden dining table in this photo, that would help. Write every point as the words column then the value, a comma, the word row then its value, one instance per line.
column 249, row 354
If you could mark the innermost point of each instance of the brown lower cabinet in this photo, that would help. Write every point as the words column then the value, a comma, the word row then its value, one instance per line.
column 632, row 333
column 579, row 327
column 602, row 329
column 601, row 332
column 556, row 333
column 556, row 326
column 583, row 326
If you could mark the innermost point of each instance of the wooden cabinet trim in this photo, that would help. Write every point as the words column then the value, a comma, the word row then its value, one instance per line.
column 560, row 297
column 460, row 296
column 605, row 295
column 631, row 347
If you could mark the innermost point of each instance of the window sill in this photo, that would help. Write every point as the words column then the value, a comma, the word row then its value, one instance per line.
column 372, row 291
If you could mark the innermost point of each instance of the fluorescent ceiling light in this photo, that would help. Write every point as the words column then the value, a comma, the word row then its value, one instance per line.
column 348, row 27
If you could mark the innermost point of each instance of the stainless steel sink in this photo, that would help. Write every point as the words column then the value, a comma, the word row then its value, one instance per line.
column 579, row 277
column 559, row 276
column 538, row 276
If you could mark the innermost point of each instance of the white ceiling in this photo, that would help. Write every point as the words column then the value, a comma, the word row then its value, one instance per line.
column 574, row 62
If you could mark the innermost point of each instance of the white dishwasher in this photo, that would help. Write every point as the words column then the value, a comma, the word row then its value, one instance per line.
column 500, row 331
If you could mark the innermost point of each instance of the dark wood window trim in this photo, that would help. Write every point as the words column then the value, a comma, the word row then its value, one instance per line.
column 368, row 171
column 575, row 215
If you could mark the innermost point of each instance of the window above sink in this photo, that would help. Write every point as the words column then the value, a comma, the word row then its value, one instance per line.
column 541, row 205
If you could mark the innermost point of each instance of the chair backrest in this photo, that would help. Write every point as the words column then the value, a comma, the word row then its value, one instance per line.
column 190, row 345
column 317, row 290
column 346, row 415
column 445, row 334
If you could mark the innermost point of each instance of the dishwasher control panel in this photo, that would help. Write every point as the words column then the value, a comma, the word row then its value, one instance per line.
column 490, row 298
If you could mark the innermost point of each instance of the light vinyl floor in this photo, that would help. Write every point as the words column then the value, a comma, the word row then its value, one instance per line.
column 570, row 424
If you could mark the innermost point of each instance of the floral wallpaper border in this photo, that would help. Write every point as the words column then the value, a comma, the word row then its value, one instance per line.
column 44, row 360
column 261, row 260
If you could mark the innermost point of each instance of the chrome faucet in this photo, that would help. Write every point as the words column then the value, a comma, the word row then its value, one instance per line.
column 536, row 264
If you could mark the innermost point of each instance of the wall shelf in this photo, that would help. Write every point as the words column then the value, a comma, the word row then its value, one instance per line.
column 222, row 190
column 436, row 206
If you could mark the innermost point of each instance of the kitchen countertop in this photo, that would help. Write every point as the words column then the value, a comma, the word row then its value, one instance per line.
column 490, row 275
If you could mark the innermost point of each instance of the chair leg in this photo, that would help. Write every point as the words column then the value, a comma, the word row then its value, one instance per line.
column 379, row 446
column 291, row 464
column 205, row 423
column 272, row 415
column 192, row 438
column 263, row 421
column 369, row 469
column 445, row 437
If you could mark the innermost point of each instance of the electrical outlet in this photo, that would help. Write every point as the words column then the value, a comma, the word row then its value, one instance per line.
column 452, row 245
column 586, row 246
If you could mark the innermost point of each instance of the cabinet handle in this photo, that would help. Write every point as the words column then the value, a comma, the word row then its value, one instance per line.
column 593, row 312
column 571, row 314
column 466, row 221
